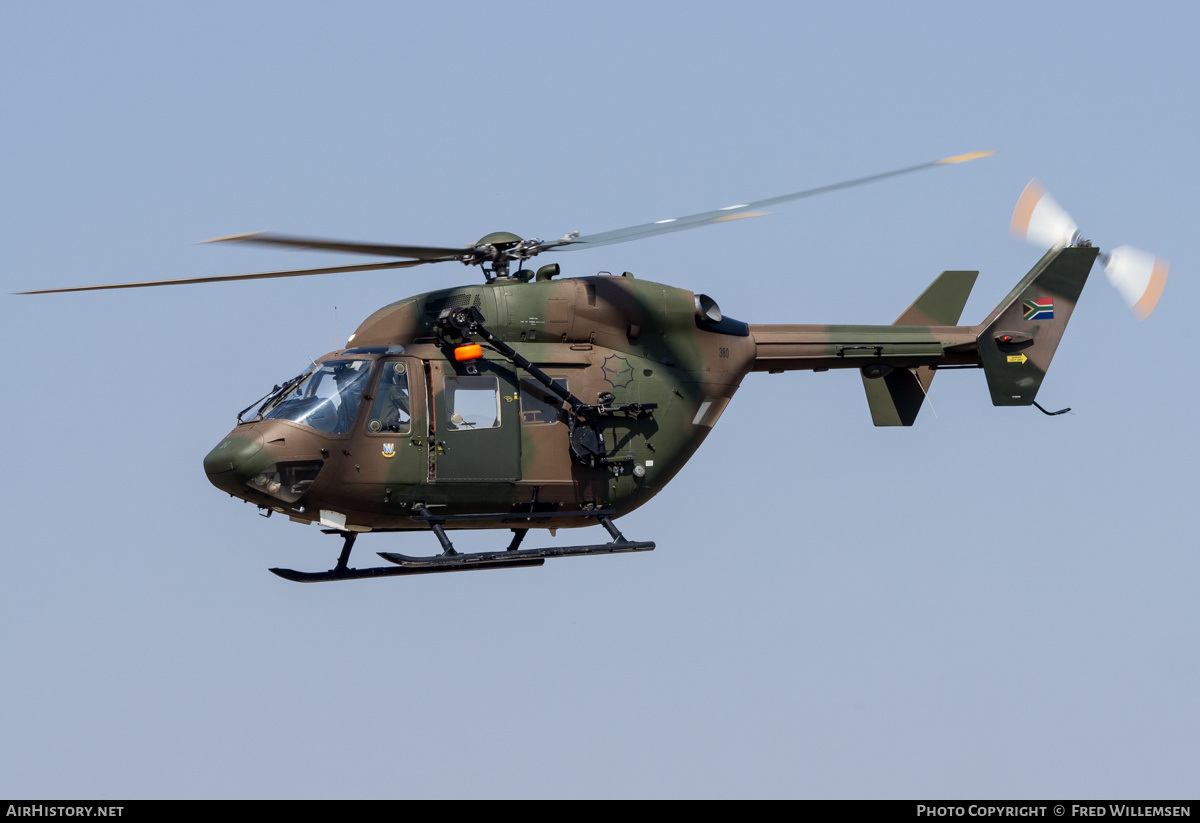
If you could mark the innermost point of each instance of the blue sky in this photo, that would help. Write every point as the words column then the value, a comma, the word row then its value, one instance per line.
column 992, row 603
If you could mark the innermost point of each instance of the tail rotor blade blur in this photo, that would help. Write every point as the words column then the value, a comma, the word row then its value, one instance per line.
column 1041, row 221
column 1138, row 276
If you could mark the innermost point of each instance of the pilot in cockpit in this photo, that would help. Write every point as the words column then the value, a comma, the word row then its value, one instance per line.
column 391, row 410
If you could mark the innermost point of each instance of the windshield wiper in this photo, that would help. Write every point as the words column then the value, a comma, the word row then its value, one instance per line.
column 274, row 393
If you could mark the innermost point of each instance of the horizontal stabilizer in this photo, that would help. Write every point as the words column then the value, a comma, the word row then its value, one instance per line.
column 896, row 397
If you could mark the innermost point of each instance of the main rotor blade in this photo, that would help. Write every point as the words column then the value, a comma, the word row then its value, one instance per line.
column 737, row 212
column 399, row 264
column 425, row 253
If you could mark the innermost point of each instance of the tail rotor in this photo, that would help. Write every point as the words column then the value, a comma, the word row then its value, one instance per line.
column 1138, row 276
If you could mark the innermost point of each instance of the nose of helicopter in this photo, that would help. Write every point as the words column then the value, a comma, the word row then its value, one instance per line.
column 237, row 458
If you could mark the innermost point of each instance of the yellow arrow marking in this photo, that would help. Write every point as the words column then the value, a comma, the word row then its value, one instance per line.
column 1017, row 358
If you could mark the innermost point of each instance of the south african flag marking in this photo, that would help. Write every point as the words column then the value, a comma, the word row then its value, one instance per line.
column 1040, row 309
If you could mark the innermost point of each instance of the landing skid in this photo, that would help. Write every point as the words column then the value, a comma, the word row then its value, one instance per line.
column 392, row 571
column 452, row 561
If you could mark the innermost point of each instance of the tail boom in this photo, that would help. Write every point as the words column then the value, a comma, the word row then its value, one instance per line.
column 781, row 348
column 1013, row 345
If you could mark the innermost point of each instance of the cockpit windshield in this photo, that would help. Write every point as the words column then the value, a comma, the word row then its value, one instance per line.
column 325, row 398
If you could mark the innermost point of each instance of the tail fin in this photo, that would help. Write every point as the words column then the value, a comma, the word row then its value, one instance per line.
column 896, row 397
column 942, row 303
column 1018, row 339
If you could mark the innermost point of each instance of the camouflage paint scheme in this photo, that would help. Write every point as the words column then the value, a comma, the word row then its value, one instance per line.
column 644, row 343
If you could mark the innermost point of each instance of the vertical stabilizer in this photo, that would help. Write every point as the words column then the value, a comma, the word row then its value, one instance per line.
column 1018, row 339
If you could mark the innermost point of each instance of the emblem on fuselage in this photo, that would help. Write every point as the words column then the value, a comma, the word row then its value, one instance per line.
column 617, row 371
column 389, row 449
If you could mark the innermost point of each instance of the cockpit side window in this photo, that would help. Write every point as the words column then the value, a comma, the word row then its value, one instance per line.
column 392, row 411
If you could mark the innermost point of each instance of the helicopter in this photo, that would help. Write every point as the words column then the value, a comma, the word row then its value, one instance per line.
column 537, row 401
